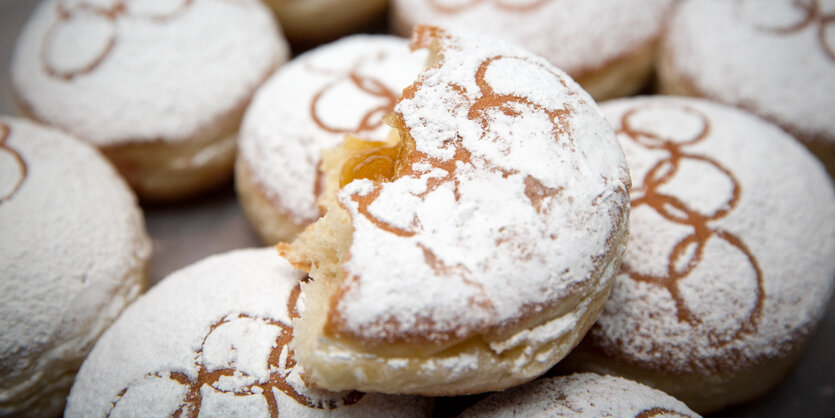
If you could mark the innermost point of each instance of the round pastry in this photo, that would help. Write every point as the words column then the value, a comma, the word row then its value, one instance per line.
column 608, row 46
column 729, row 265
column 774, row 58
column 155, row 85
column 314, row 21
column 212, row 340
column 308, row 105
column 73, row 254
column 582, row 394
column 474, row 249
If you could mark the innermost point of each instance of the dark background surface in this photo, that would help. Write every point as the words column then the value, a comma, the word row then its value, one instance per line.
column 187, row 232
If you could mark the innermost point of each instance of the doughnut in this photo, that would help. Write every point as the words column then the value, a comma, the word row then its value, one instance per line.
column 608, row 46
column 308, row 22
column 581, row 394
column 773, row 58
column 309, row 105
column 212, row 340
column 474, row 249
column 729, row 265
column 73, row 253
column 157, row 86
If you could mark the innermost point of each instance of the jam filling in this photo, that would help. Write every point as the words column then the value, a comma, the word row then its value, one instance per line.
column 374, row 160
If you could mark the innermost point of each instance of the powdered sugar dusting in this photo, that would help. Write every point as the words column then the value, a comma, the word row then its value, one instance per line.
column 533, row 188
column 70, row 52
column 212, row 339
column 783, row 61
column 729, row 263
column 550, row 331
column 112, row 72
column 576, row 36
column 580, row 395
column 312, row 103
column 73, row 248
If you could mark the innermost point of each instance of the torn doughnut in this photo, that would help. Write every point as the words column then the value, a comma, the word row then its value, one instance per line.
column 472, row 249
column 310, row 104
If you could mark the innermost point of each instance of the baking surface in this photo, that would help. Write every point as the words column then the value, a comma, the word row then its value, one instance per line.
column 187, row 232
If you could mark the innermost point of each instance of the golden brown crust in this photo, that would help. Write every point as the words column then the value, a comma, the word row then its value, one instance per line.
column 621, row 74
column 266, row 216
column 310, row 22
column 704, row 393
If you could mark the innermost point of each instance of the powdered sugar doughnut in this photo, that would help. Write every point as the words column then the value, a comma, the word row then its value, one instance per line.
column 307, row 106
column 309, row 21
column 212, row 339
column 154, row 84
column 608, row 46
column 729, row 264
column 73, row 254
column 774, row 58
column 582, row 394
column 489, row 250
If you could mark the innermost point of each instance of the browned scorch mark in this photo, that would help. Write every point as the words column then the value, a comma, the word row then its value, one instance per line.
column 372, row 86
column 5, row 133
column 118, row 10
column 676, row 211
column 372, row 119
column 538, row 193
column 478, row 110
column 813, row 14
column 491, row 100
column 364, row 201
column 279, row 371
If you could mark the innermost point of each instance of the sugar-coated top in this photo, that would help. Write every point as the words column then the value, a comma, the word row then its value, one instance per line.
column 773, row 57
column 71, row 233
column 729, row 262
column 117, row 71
column 511, row 201
column 311, row 104
column 578, row 36
column 212, row 340
column 581, row 395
